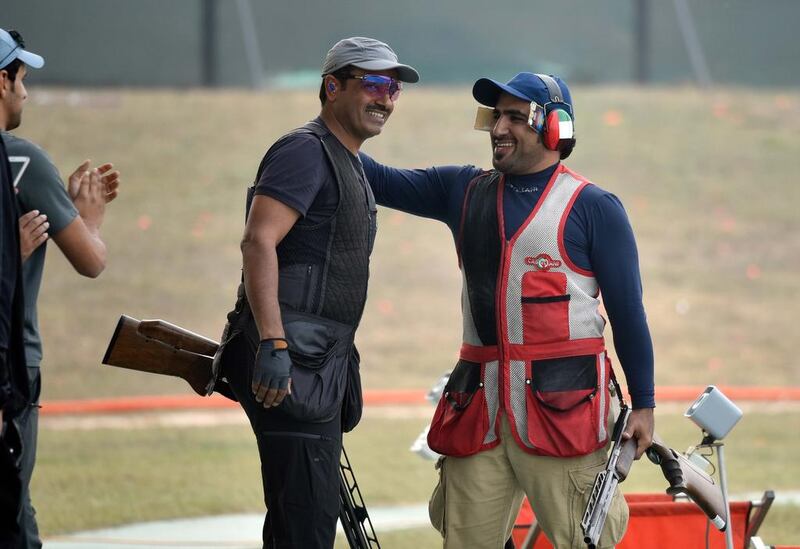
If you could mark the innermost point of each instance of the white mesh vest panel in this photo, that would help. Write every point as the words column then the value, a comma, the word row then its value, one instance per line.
column 540, row 236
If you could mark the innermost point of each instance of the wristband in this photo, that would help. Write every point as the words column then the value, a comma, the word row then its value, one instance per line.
column 277, row 343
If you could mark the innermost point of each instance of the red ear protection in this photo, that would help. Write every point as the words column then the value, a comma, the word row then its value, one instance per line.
column 558, row 128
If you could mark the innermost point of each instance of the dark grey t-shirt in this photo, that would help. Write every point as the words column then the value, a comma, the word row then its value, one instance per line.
column 297, row 173
column 39, row 188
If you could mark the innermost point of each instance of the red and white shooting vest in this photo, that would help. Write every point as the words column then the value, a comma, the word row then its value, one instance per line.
column 533, row 345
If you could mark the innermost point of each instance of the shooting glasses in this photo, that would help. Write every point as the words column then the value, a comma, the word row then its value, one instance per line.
column 378, row 86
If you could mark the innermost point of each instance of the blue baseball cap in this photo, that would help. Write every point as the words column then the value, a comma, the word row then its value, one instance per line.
column 10, row 49
column 528, row 87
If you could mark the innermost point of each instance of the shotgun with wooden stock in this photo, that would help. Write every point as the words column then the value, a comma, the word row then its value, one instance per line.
column 687, row 479
column 158, row 347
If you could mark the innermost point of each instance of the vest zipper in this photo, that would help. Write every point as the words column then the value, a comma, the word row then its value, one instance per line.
column 307, row 290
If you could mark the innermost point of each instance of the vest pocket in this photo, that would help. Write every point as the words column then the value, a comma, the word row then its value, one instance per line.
column 563, row 405
column 320, row 350
column 297, row 285
column 545, row 307
column 461, row 419
column 353, row 403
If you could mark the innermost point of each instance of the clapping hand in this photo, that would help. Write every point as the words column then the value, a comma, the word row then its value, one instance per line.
column 109, row 179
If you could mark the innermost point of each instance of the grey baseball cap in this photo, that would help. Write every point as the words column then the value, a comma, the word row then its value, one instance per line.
column 368, row 54
column 10, row 49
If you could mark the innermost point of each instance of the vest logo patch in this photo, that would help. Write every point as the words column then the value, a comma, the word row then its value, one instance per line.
column 543, row 262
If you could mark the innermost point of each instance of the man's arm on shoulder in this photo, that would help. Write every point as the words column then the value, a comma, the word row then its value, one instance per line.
column 436, row 193
column 32, row 232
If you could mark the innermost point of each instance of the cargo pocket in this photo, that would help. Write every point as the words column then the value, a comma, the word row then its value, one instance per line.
column 436, row 505
column 545, row 307
column 563, row 407
column 461, row 419
column 581, row 482
column 320, row 351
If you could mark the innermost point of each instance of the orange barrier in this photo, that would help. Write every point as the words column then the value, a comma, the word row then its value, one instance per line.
column 389, row 397
column 374, row 397
column 657, row 521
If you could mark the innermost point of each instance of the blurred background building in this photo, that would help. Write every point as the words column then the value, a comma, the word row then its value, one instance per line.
column 278, row 43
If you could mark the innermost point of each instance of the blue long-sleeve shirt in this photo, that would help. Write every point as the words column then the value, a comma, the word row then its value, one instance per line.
column 598, row 237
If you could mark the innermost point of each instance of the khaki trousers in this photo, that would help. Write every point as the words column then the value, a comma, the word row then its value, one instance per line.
column 478, row 497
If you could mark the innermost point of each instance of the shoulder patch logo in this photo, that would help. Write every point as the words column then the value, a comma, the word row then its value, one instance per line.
column 543, row 262
column 22, row 162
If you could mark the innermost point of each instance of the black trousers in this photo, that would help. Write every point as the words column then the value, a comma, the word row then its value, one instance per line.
column 299, row 463
column 10, row 482
column 10, row 486
column 28, row 424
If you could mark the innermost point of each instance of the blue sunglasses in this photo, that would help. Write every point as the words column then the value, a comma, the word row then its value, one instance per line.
column 378, row 86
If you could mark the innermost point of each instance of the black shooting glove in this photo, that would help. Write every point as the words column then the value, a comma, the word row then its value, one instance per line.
column 271, row 371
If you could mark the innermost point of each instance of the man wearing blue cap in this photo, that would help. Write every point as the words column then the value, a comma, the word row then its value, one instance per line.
column 528, row 407
column 287, row 351
column 71, row 215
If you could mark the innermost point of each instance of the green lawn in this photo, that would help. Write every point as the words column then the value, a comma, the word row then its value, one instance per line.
column 93, row 478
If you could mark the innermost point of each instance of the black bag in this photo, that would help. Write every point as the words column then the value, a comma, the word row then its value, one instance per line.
column 325, row 364
column 322, row 357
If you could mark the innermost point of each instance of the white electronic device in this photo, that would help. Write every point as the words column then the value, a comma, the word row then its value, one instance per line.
column 714, row 413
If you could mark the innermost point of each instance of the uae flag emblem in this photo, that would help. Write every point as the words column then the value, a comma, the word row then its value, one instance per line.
column 564, row 125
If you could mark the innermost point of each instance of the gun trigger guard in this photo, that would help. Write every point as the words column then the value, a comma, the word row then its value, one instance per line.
column 653, row 456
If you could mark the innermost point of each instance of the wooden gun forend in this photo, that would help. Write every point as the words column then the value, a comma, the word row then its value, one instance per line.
column 178, row 337
column 626, row 456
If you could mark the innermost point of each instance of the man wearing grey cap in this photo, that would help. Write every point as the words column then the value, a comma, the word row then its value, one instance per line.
column 287, row 351
column 528, row 408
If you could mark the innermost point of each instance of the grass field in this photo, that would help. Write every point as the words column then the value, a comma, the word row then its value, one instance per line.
column 707, row 179
column 89, row 479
